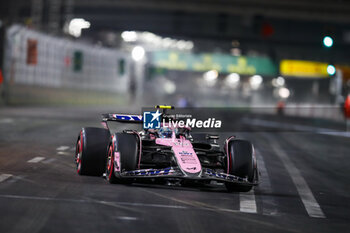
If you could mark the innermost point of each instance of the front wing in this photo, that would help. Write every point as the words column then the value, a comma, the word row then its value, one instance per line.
column 173, row 172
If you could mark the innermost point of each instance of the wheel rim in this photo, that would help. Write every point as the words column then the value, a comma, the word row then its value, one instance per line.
column 110, row 163
column 79, row 150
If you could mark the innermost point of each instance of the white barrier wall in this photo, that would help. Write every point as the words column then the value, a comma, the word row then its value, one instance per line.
column 53, row 61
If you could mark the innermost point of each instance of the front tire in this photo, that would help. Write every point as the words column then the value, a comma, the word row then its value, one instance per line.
column 240, row 162
column 110, row 167
column 126, row 147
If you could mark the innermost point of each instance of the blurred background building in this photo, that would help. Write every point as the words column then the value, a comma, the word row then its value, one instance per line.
column 183, row 52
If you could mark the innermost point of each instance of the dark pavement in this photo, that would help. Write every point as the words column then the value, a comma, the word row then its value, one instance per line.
column 304, row 186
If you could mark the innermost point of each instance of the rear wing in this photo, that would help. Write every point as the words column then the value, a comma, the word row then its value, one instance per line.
column 130, row 118
column 120, row 117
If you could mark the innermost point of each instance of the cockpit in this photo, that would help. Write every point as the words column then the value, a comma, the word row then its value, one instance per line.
column 167, row 132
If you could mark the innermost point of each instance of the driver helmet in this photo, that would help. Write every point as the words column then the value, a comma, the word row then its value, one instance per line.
column 165, row 132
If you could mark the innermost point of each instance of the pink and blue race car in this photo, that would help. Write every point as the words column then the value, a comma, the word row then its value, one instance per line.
column 168, row 153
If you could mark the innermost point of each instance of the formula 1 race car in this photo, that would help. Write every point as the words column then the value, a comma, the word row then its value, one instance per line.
column 167, row 153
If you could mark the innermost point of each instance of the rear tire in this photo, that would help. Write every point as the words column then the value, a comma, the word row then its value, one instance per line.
column 91, row 149
column 240, row 163
column 127, row 146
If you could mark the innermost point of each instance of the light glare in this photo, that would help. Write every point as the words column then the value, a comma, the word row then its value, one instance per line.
column 138, row 53
column 211, row 75
column 328, row 41
column 169, row 87
column 232, row 79
column 283, row 93
column 331, row 69
column 76, row 25
column 129, row 36
column 255, row 81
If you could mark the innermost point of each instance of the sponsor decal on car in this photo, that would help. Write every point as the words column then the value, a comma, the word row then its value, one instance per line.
column 188, row 158
column 224, row 176
column 150, row 172
column 124, row 117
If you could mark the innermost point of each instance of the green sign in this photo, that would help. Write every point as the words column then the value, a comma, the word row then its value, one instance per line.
column 121, row 67
column 223, row 63
column 78, row 61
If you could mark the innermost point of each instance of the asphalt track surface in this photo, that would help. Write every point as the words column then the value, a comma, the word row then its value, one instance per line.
column 304, row 185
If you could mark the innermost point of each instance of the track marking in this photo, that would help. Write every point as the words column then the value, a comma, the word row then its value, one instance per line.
column 247, row 202
column 6, row 121
column 149, row 205
column 196, row 204
column 47, row 161
column 265, row 186
column 64, row 153
column 311, row 205
column 36, row 159
column 127, row 218
column 4, row 177
column 204, row 206
column 91, row 201
column 341, row 134
column 62, row 148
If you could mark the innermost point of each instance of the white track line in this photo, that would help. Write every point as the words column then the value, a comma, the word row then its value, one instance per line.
column 4, row 177
column 265, row 185
column 247, row 202
column 36, row 159
column 127, row 218
column 38, row 198
column 312, row 207
column 6, row 121
column 61, row 148
column 47, row 161
column 341, row 134
column 64, row 153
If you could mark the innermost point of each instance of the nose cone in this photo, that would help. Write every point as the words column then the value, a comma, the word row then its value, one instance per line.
column 187, row 159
